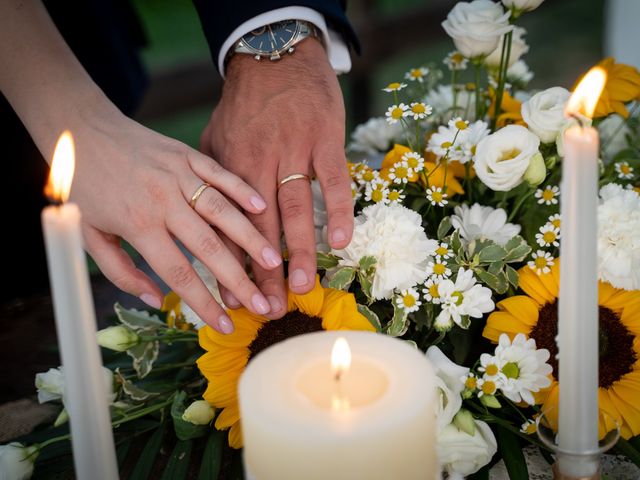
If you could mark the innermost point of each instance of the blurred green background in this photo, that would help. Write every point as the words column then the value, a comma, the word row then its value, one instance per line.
column 565, row 38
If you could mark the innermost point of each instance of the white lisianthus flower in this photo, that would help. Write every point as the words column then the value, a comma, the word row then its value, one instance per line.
column 50, row 385
column 503, row 157
column 441, row 99
column 464, row 298
column 118, row 338
column 544, row 113
column 522, row 5
column 461, row 454
column 450, row 385
column 190, row 316
column 518, row 48
column 16, row 461
column 393, row 234
column 483, row 223
column 519, row 73
column 613, row 132
column 374, row 136
column 524, row 368
column 619, row 237
column 199, row 413
column 476, row 27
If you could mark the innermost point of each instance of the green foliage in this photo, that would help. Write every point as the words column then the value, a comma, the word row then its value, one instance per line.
column 343, row 278
column 511, row 451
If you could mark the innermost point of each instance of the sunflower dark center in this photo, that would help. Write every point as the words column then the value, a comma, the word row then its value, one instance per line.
column 291, row 325
column 616, row 343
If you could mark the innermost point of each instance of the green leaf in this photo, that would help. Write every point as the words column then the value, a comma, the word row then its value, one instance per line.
column 503, row 285
column 138, row 320
column 371, row 316
column 132, row 390
column 185, row 430
column 412, row 343
column 367, row 263
column 511, row 452
column 487, row 278
column 122, row 450
column 444, row 227
column 518, row 254
column 366, row 283
column 512, row 276
column 326, row 260
column 513, row 243
column 495, row 268
column 178, row 465
column 147, row 458
column 455, row 242
column 399, row 323
column 144, row 354
column 627, row 449
column 482, row 474
column 342, row 279
column 492, row 253
column 490, row 401
column 212, row 456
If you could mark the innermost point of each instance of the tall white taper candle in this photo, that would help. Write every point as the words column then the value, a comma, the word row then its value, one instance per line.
column 85, row 395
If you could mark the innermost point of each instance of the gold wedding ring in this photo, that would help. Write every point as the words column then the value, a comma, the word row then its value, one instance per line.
column 196, row 196
column 293, row 176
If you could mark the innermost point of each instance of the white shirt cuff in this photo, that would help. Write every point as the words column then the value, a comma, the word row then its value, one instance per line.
column 337, row 49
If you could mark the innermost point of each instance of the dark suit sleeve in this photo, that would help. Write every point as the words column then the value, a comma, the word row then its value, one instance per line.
column 220, row 18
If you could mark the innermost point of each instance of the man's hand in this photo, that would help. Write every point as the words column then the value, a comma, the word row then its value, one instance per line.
column 276, row 119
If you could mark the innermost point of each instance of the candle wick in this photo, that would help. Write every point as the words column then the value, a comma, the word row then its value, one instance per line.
column 578, row 118
column 338, row 375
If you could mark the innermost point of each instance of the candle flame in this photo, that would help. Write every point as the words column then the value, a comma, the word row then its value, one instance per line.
column 585, row 97
column 62, row 168
column 340, row 357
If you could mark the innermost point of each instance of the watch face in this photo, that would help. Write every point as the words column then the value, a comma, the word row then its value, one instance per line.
column 275, row 37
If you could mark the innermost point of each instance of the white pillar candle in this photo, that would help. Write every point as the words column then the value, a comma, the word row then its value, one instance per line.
column 382, row 425
column 85, row 394
column 578, row 328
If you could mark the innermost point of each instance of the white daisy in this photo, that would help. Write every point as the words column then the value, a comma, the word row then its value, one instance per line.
column 396, row 196
column 524, row 367
column 409, row 300
column 417, row 74
column 458, row 123
column 367, row 175
column 377, row 191
column 548, row 196
column 400, row 172
column 414, row 161
column 356, row 194
column 479, row 222
column 541, row 262
column 624, row 170
column 430, row 291
column 555, row 220
column 436, row 196
column 489, row 368
column 443, row 251
column 395, row 113
column 455, row 61
column 486, row 387
column 444, row 143
column 471, row 137
column 418, row 110
column 394, row 87
column 470, row 381
column 548, row 236
column 438, row 270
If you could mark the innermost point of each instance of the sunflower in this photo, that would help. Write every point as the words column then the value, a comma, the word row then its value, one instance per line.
column 172, row 306
column 509, row 110
column 228, row 355
column 622, row 86
column 536, row 315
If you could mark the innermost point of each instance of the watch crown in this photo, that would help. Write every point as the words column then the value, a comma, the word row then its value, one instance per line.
column 291, row 50
column 257, row 57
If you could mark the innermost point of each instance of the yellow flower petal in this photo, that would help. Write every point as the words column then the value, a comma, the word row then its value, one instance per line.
column 244, row 333
column 223, row 360
column 521, row 307
column 503, row 322
column 309, row 303
column 537, row 286
column 340, row 312
column 222, row 390
column 228, row 417
column 235, row 436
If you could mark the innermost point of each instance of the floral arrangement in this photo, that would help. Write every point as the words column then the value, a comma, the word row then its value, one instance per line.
column 455, row 250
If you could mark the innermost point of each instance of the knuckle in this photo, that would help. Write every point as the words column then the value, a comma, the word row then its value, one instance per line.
column 212, row 305
column 291, row 207
column 125, row 282
column 181, row 275
column 243, row 284
column 216, row 205
column 210, row 244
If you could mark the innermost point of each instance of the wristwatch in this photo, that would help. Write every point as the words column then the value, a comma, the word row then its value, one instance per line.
column 273, row 40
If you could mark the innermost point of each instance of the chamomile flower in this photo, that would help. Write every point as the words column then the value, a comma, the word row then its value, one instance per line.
column 418, row 111
column 417, row 74
column 555, row 220
column 458, row 123
column 395, row 113
column 396, row 196
column 470, row 381
column 377, row 191
column 529, row 427
column 366, row 176
column 436, row 196
column 541, row 262
column 548, row 236
column 438, row 269
column 400, row 172
column 394, row 87
column 414, row 161
column 486, row 387
column 489, row 367
column 409, row 300
column 624, row 170
column 430, row 291
column 471, row 137
column 548, row 196
column 356, row 194
column 443, row 251
column 455, row 61
column 442, row 141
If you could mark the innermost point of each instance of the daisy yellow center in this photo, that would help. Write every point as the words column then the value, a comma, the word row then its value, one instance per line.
column 540, row 262
column 461, row 125
column 368, row 176
column 437, row 196
column 446, row 144
column 409, row 301
column 439, row 269
column 412, row 162
column 491, row 369
column 292, row 324
column 549, row 237
column 377, row 195
column 471, row 383
column 625, row 169
column 394, row 195
column 531, row 428
column 511, row 370
column 457, row 58
column 416, row 73
column 433, row 291
column 401, row 172
column 418, row 108
column 556, row 223
column 548, row 195
column 393, row 86
column 442, row 251
column 396, row 113
column 488, row 387
column 509, row 154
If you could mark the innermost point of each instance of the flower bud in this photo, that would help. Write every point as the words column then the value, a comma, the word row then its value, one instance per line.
column 118, row 338
column 464, row 421
column 490, row 401
column 16, row 461
column 199, row 413
column 536, row 171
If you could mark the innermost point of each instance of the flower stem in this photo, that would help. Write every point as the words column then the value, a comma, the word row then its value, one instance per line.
column 467, row 181
column 519, row 204
column 502, row 76
column 477, row 65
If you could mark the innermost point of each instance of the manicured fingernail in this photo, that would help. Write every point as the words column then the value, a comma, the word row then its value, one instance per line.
column 271, row 257
column 151, row 300
column 260, row 304
column 225, row 324
column 258, row 202
column 338, row 235
column 298, row 278
column 275, row 303
column 232, row 301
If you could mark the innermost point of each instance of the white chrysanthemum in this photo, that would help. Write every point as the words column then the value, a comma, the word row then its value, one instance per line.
column 624, row 170
column 377, row 191
column 480, row 222
column 523, row 367
column 417, row 74
column 548, row 235
column 414, row 161
column 541, row 262
column 437, row 197
column 395, row 113
column 462, row 298
column 441, row 99
column 619, row 237
column 548, row 196
column 394, row 236
column 409, row 300
column 418, row 110
column 374, row 136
